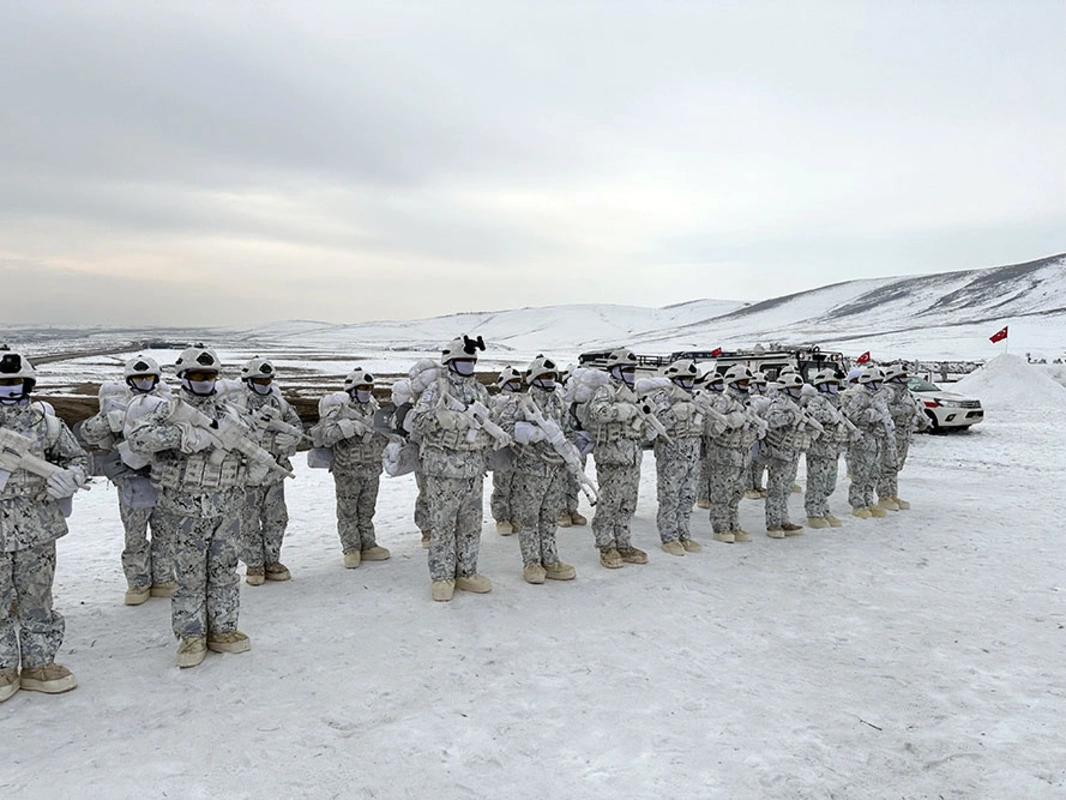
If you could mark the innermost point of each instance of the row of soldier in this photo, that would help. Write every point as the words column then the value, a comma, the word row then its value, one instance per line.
column 185, row 462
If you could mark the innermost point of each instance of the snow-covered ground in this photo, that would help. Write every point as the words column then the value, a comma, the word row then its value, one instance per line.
column 919, row 656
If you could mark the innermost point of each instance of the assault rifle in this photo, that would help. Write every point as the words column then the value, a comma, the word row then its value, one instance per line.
column 268, row 418
column 480, row 419
column 228, row 436
column 553, row 433
column 15, row 455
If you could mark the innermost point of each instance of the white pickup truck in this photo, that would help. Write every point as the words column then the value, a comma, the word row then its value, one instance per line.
column 945, row 410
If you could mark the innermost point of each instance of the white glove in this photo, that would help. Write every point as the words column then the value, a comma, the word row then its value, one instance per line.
column 116, row 418
column 683, row 411
column 735, row 419
column 193, row 439
column 625, row 411
column 527, row 433
column 62, row 484
column 287, row 441
column 350, row 428
column 872, row 415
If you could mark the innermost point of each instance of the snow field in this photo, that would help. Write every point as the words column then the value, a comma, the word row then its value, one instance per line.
column 915, row 656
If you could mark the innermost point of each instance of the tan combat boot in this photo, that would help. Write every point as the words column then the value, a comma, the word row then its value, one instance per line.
column 191, row 651
column 534, row 573
column 792, row 529
column 775, row 532
column 691, row 546
column 564, row 520
column 741, row 535
column 833, row 521
column 728, row 537
column 559, row 572
column 255, row 576
column 165, row 589
column 877, row 511
column 50, row 678
column 9, row 683
column 862, row 512
column 352, row 559
column 611, row 559
column 230, row 642
column 888, row 503
column 375, row 553
column 425, row 539
column 903, row 504
column 278, row 572
column 703, row 503
column 632, row 555
column 504, row 528
column 673, row 548
column 476, row 583
column 442, row 591
column 136, row 595
column 577, row 518
column 818, row 522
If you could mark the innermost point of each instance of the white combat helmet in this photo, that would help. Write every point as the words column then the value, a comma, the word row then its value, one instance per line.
column 15, row 365
column 198, row 359
column 539, row 367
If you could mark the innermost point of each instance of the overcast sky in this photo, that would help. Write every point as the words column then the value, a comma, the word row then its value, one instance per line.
column 234, row 162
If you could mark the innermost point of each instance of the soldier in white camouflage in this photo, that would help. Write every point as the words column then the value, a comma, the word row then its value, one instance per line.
column 570, row 515
column 201, row 482
column 728, row 451
column 265, row 517
column 907, row 416
column 540, row 474
column 614, row 419
column 760, row 401
column 710, row 386
column 677, row 458
column 449, row 416
column 349, row 429
column 147, row 564
column 823, row 456
column 867, row 408
column 787, row 437
column 32, row 516
column 502, row 502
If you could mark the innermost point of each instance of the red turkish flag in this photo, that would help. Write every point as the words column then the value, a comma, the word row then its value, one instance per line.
column 716, row 352
column 863, row 358
column 999, row 335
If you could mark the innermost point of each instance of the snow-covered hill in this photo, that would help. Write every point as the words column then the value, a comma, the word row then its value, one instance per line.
column 935, row 317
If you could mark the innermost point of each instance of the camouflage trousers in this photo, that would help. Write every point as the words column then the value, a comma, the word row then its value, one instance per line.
column 703, row 484
column 263, row 524
column 26, row 579
column 357, row 500
column 146, row 561
column 455, row 512
column 422, row 521
column 864, row 461
column 727, row 472
column 619, row 488
column 892, row 461
column 208, row 597
column 755, row 473
column 780, row 475
column 502, row 501
column 538, row 501
column 821, row 483
column 677, row 472
column 572, row 490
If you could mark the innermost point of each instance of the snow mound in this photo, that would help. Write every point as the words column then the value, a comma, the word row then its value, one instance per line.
column 1009, row 381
